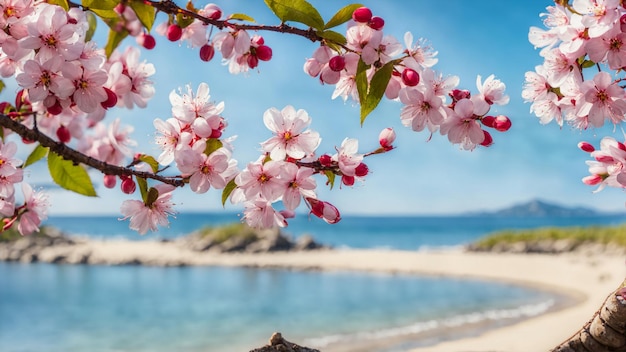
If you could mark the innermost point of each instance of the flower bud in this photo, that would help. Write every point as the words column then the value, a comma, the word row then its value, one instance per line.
column 586, row 147
column 347, row 180
column 592, row 180
column 146, row 40
column 325, row 160
column 109, row 181
column 253, row 61
column 458, row 94
column 376, row 23
column 324, row 210
column 488, row 121
column 502, row 123
column 488, row 139
column 111, row 99
column 361, row 170
column 207, row 52
column 128, row 185
column 362, row 15
column 264, row 53
column 63, row 133
column 387, row 137
column 337, row 63
column 174, row 32
column 410, row 77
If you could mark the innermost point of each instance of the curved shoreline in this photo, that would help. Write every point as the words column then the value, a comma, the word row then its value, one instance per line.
column 586, row 280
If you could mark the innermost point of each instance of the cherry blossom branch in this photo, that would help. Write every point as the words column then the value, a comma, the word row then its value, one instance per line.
column 78, row 157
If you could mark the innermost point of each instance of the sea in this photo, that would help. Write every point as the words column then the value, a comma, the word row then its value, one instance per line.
column 48, row 307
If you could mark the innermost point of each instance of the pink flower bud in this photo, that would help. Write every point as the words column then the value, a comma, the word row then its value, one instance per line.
column 109, row 181
column 586, row 147
column 488, row 139
column 55, row 109
column 174, row 32
column 592, row 180
column 337, row 63
column 63, row 133
column 146, row 40
column 324, row 210
column 128, row 185
column 488, row 121
column 502, row 123
column 325, row 160
column 603, row 158
column 253, row 61
column 410, row 77
column 347, row 180
column 111, row 99
column 362, row 15
column 264, row 53
column 458, row 94
column 361, row 170
column 387, row 137
column 376, row 23
column 207, row 52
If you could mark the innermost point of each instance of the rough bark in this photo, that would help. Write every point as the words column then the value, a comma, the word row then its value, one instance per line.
column 605, row 331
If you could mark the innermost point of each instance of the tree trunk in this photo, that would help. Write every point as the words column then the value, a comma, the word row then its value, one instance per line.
column 605, row 332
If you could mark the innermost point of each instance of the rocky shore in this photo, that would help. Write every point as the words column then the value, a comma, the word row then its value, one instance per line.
column 52, row 246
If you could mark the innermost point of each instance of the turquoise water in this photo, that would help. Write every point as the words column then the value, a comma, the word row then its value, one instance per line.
column 46, row 307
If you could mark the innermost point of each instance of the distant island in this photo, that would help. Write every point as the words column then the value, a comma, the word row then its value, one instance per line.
column 540, row 208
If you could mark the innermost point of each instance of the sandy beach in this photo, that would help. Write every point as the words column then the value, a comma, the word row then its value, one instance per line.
column 585, row 279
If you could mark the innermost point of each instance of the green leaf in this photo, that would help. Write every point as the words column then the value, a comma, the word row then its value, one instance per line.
column 241, row 17
column 93, row 23
column 334, row 37
column 154, row 165
column 63, row 3
column 212, row 145
column 230, row 187
column 587, row 64
column 2, row 85
column 297, row 11
column 153, row 194
column 342, row 16
column 143, row 188
column 183, row 20
column 70, row 176
column 100, row 4
column 37, row 154
column 361, row 80
column 377, row 88
column 331, row 178
column 145, row 13
column 114, row 40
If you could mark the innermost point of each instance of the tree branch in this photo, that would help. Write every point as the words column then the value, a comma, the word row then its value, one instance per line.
column 78, row 157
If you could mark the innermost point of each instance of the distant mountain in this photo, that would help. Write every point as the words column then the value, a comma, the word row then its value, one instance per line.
column 538, row 208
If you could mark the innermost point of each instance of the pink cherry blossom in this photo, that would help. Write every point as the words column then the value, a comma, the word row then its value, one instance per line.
column 301, row 184
column 492, row 90
column 421, row 110
column 52, row 35
column 603, row 98
column 89, row 91
column 44, row 79
column 35, row 210
column 188, row 106
column 144, row 217
column 611, row 47
column 204, row 170
column 263, row 179
column 420, row 54
column 167, row 139
column 291, row 138
column 462, row 126
column 599, row 15
column 139, row 73
column 347, row 156
column 259, row 213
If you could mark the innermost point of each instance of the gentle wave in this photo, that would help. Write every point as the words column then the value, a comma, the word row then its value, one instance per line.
column 525, row 311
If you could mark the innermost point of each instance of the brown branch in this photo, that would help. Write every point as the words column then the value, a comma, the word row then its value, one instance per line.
column 78, row 157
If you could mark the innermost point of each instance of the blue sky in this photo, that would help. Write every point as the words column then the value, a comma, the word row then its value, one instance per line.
column 419, row 177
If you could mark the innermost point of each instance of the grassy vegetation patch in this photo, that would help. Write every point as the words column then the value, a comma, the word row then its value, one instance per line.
column 578, row 235
column 223, row 233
